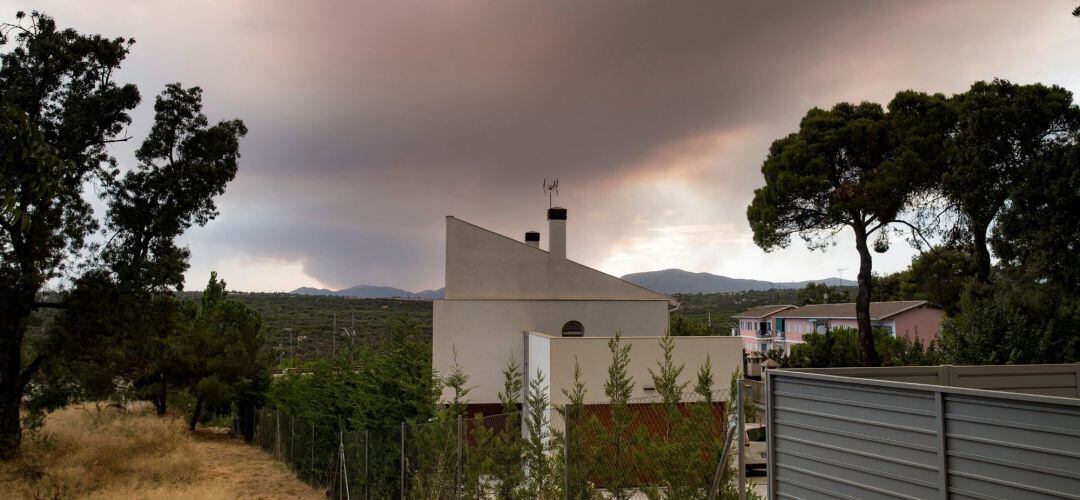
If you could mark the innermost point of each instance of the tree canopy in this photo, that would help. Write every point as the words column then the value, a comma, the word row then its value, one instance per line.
column 853, row 167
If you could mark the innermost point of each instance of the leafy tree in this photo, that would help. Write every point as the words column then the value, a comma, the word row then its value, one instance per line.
column 820, row 293
column 840, row 347
column 184, row 163
column 1036, row 237
column 1001, row 130
column 854, row 167
column 1015, row 323
column 59, row 108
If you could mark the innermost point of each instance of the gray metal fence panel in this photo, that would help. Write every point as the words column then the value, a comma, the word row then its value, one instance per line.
column 834, row 436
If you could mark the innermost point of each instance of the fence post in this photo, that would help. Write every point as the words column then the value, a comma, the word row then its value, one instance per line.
column 566, row 452
column 367, row 477
column 943, row 461
column 457, row 479
column 277, row 435
column 718, row 477
column 402, row 460
column 344, row 465
column 741, row 415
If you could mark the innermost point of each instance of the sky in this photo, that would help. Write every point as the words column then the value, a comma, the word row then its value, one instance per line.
column 371, row 121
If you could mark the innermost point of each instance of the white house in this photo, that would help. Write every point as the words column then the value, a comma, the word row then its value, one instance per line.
column 509, row 299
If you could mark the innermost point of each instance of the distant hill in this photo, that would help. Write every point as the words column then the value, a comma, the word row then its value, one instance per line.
column 371, row 292
column 679, row 281
column 667, row 281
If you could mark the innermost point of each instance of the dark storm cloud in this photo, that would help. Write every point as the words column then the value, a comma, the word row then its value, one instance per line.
column 370, row 121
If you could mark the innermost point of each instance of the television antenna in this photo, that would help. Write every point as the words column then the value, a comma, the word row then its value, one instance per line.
column 551, row 188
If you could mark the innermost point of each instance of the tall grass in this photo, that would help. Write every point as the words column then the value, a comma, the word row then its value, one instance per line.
column 97, row 451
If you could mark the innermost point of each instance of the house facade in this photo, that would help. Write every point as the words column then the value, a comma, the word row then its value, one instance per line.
column 781, row 326
column 508, row 299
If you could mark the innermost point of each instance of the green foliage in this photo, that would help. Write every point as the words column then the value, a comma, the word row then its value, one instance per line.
column 219, row 351
column 840, row 347
column 683, row 326
column 1013, row 323
column 59, row 107
column 618, row 438
column 854, row 166
column 820, row 293
column 183, row 164
column 1001, row 132
column 542, row 445
column 395, row 385
column 1036, row 236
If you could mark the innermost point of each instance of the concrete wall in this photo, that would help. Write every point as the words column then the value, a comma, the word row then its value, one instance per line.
column 594, row 357
column 487, row 333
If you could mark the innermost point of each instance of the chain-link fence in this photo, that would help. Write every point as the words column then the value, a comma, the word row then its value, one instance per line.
column 644, row 449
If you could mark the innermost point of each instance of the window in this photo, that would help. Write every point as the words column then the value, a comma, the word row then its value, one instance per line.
column 573, row 329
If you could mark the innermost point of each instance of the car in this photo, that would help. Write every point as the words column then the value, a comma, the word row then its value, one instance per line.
column 754, row 447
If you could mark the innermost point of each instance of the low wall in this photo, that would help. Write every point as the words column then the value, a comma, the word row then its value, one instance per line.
column 592, row 355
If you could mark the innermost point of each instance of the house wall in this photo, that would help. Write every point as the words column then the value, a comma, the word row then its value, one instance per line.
column 593, row 356
column 486, row 333
column 925, row 321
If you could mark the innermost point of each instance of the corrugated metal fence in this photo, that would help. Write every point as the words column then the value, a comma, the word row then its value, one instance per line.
column 839, row 436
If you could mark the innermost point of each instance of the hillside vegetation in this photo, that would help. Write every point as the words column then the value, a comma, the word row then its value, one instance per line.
column 99, row 451
column 287, row 317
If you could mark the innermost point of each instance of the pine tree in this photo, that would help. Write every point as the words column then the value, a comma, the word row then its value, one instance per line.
column 582, row 433
column 542, row 445
column 619, row 436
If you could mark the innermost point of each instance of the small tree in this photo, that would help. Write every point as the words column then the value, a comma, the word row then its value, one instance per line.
column 542, row 445
column 221, row 349
column 619, row 438
column 582, row 432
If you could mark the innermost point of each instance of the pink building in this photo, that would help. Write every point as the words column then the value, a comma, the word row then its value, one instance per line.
column 757, row 326
column 781, row 326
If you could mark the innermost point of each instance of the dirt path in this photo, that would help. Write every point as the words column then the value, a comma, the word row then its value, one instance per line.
column 250, row 473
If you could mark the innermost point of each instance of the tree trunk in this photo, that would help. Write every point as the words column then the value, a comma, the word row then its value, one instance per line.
column 196, row 414
column 862, row 300
column 982, row 253
column 10, row 390
column 160, row 402
column 17, row 303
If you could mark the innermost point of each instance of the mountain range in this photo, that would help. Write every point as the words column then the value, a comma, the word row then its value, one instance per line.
column 371, row 292
column 678, row 281
column 669, row 281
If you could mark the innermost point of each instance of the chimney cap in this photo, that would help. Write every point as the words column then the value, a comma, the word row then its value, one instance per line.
column 556, row 213
column 532, row 236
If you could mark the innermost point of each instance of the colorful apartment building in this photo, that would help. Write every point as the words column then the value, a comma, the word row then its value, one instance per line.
column 765, row 328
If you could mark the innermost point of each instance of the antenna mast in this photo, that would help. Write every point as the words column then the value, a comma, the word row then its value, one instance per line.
column 551, row 189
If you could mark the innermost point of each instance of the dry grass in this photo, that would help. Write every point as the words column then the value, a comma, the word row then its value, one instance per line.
column 93, row 451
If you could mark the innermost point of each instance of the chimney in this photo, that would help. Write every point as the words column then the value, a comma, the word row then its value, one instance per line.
column 532, row 238
column 557, row 233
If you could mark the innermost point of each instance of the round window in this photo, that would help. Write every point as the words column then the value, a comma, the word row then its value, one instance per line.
column 573, row 329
